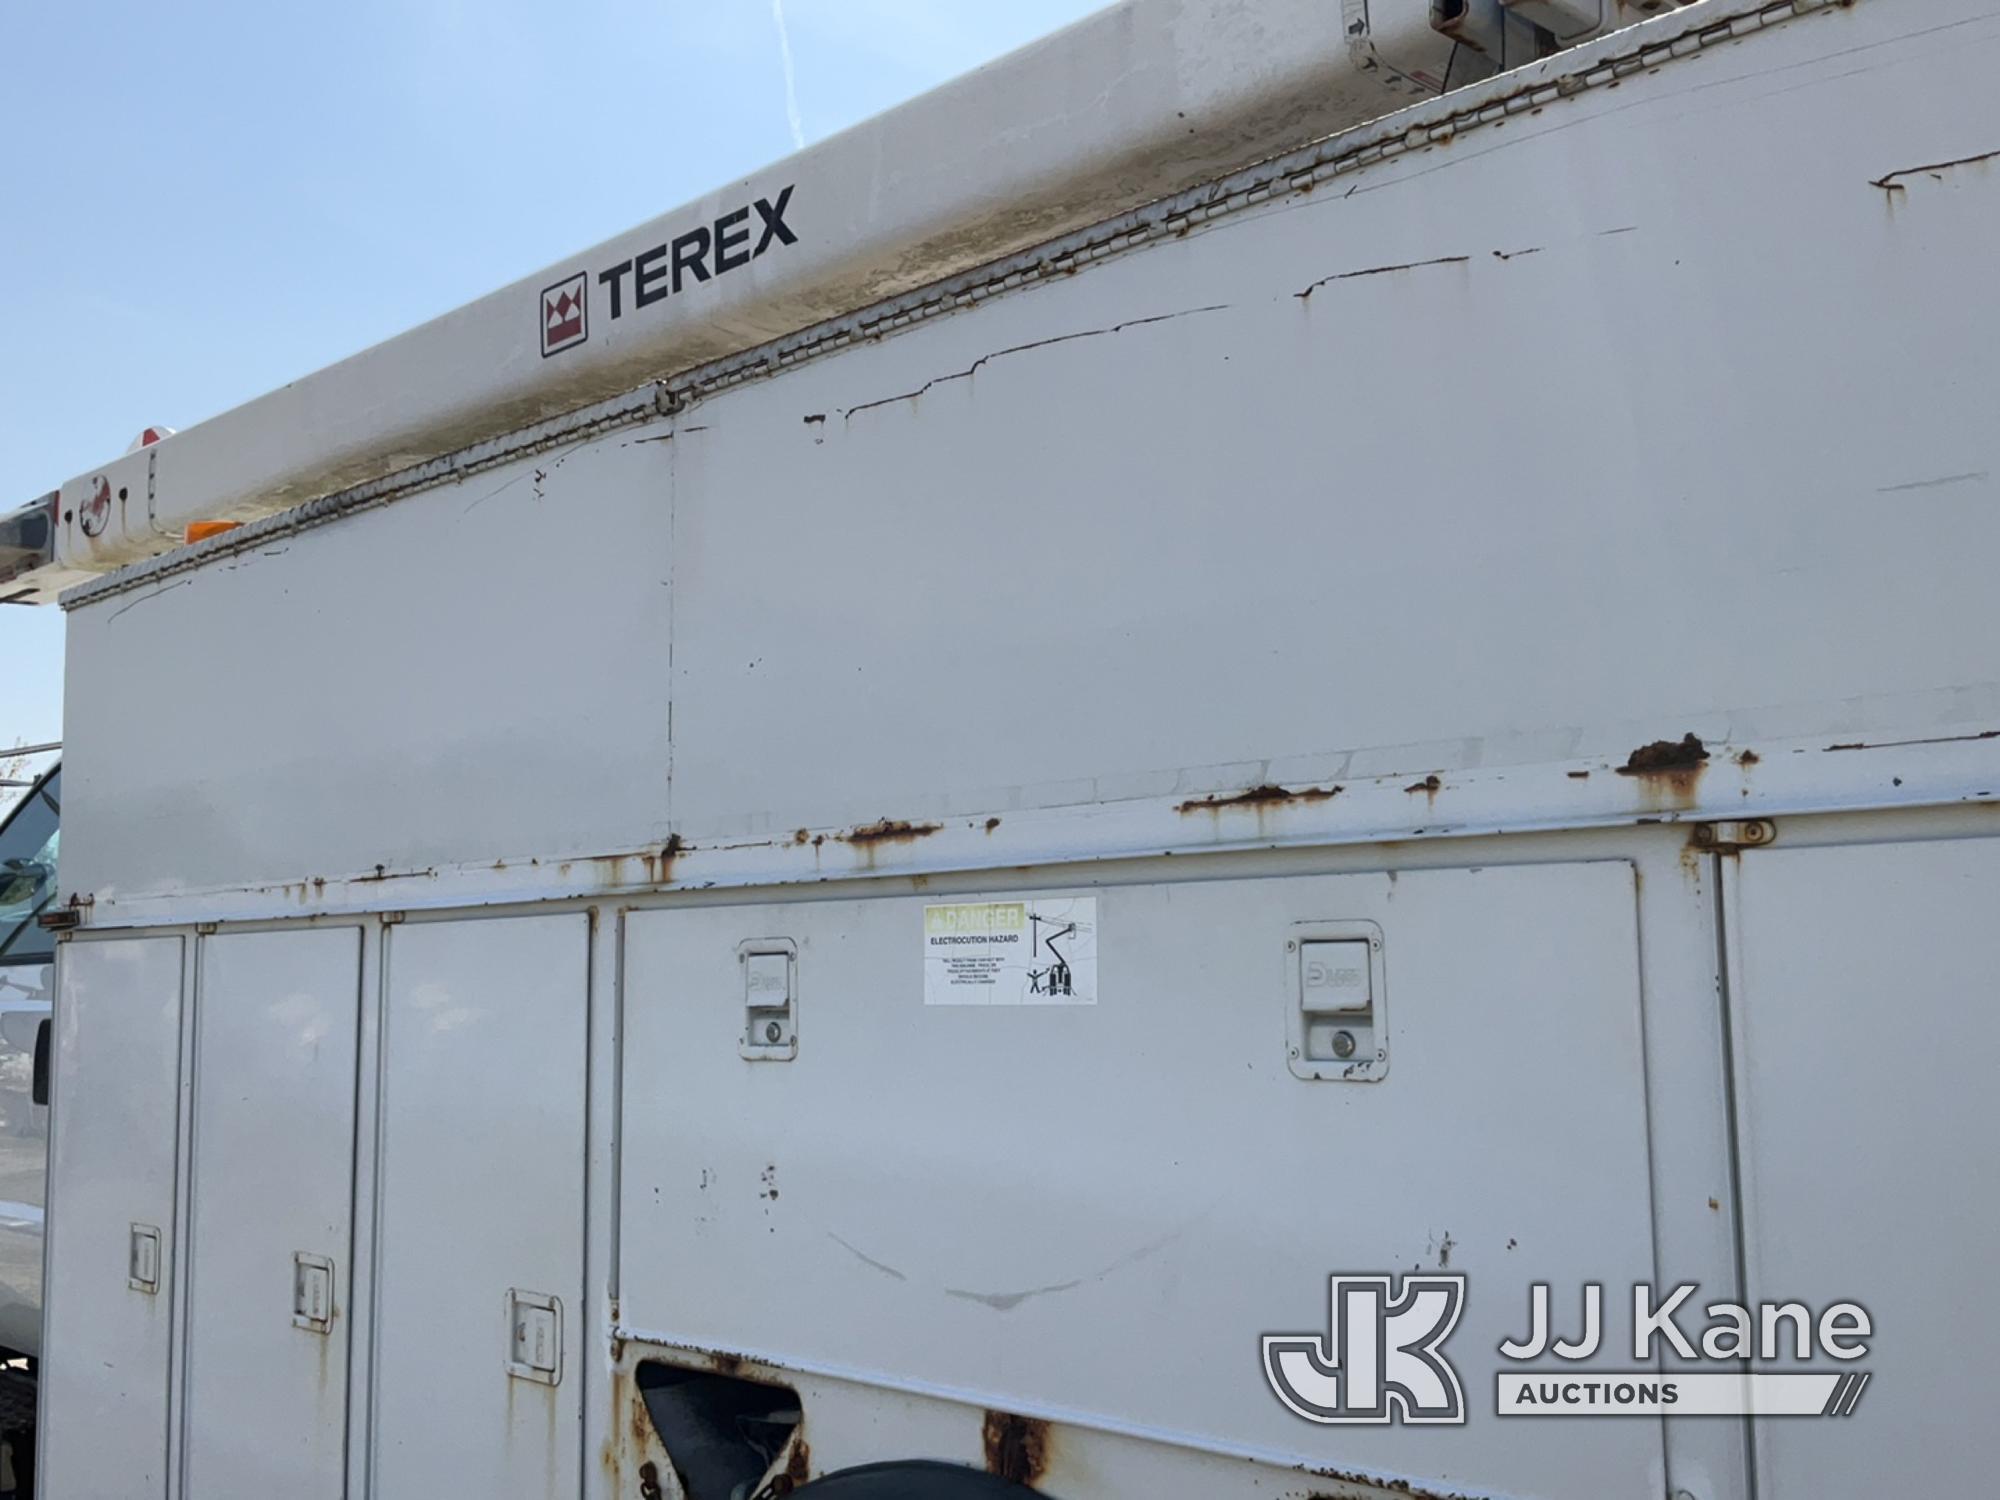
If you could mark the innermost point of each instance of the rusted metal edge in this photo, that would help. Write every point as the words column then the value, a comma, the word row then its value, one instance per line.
column 1013, row 1434
column 1567, row 75
column 1729, row 783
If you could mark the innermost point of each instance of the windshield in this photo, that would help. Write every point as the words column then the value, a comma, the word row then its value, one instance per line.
column 28, row 841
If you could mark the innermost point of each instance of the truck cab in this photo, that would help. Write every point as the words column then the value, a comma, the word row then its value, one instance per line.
column 29, row 836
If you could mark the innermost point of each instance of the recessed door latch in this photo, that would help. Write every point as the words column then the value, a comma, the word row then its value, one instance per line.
column 142, row 1259
column 312, row 1292
column 1336, row 1011
column 534, row 1337
column 770, row 999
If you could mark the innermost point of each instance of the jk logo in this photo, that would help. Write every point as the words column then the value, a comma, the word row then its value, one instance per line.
column 1384, row 1359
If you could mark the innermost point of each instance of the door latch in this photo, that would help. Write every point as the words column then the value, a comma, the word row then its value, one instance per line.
column 143, row 1259
column 1336, row 1002
column 770, row 999
column 534, row 1333
column 312, row 1292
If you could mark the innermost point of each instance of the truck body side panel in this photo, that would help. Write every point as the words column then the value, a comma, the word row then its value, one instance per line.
column 484, row 706
column 1861, row 974
column 113, row 1156
column 1206, row 516
column 1085, row 1209
column 1413, row 537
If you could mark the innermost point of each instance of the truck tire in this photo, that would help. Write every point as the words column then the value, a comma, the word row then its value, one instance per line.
column 917, row 1480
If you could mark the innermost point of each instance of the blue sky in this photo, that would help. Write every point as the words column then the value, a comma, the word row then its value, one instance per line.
column 201, row 201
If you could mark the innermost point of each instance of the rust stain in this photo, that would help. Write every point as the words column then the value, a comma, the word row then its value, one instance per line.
column 723, row 1362
column 1748, row 758
column 383, row 872
column 991, row 824
column 1665, row 757
column 890, row 831
column 639, row 1424
column 1430, row 786
column 649, row 1481
column 642, row 1424
column 1579, row 775
column 659, row 868
column 1260, row 796
column 801, row 835
column 798, row 1466
column 1370, row 1481
column 1670, row 770
column 1017, row 1448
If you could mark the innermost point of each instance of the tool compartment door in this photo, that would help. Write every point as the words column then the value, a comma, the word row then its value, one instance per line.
column 479, row 1260
column 114, row 1132
column 270, row 1255
column 1099, row 1209
column 1861, row 994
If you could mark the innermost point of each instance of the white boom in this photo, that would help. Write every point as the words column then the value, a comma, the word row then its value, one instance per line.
column 1010, row 156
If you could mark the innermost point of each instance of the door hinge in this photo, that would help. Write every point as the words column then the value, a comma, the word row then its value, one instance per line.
column 1734, row 837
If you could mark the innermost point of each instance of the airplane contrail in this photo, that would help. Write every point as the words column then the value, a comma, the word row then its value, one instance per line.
column 791, row 82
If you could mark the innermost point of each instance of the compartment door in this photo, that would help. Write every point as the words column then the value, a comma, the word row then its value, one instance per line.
column 114, row 1134
column 1862, row 998
column 1099, row 1206
column 270, row 1242
column 480, row 1232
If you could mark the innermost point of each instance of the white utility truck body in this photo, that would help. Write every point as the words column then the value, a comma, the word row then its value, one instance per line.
column 1525, row 557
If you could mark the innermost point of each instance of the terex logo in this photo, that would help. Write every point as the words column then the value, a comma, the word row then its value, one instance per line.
column 565, row 313
column 669, row 268
column 708, row 250
column 1383, row 1361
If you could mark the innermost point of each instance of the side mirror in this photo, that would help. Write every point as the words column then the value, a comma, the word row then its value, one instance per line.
column 22, row 882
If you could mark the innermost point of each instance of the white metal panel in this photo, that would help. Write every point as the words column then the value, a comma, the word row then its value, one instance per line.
column 481, row 709
column 1861, row 984
column 481, row 1193
column 272, row 1173
column 1093, row 1212
column 1078, row 488
column 115, row 1126
column 1218, row 503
